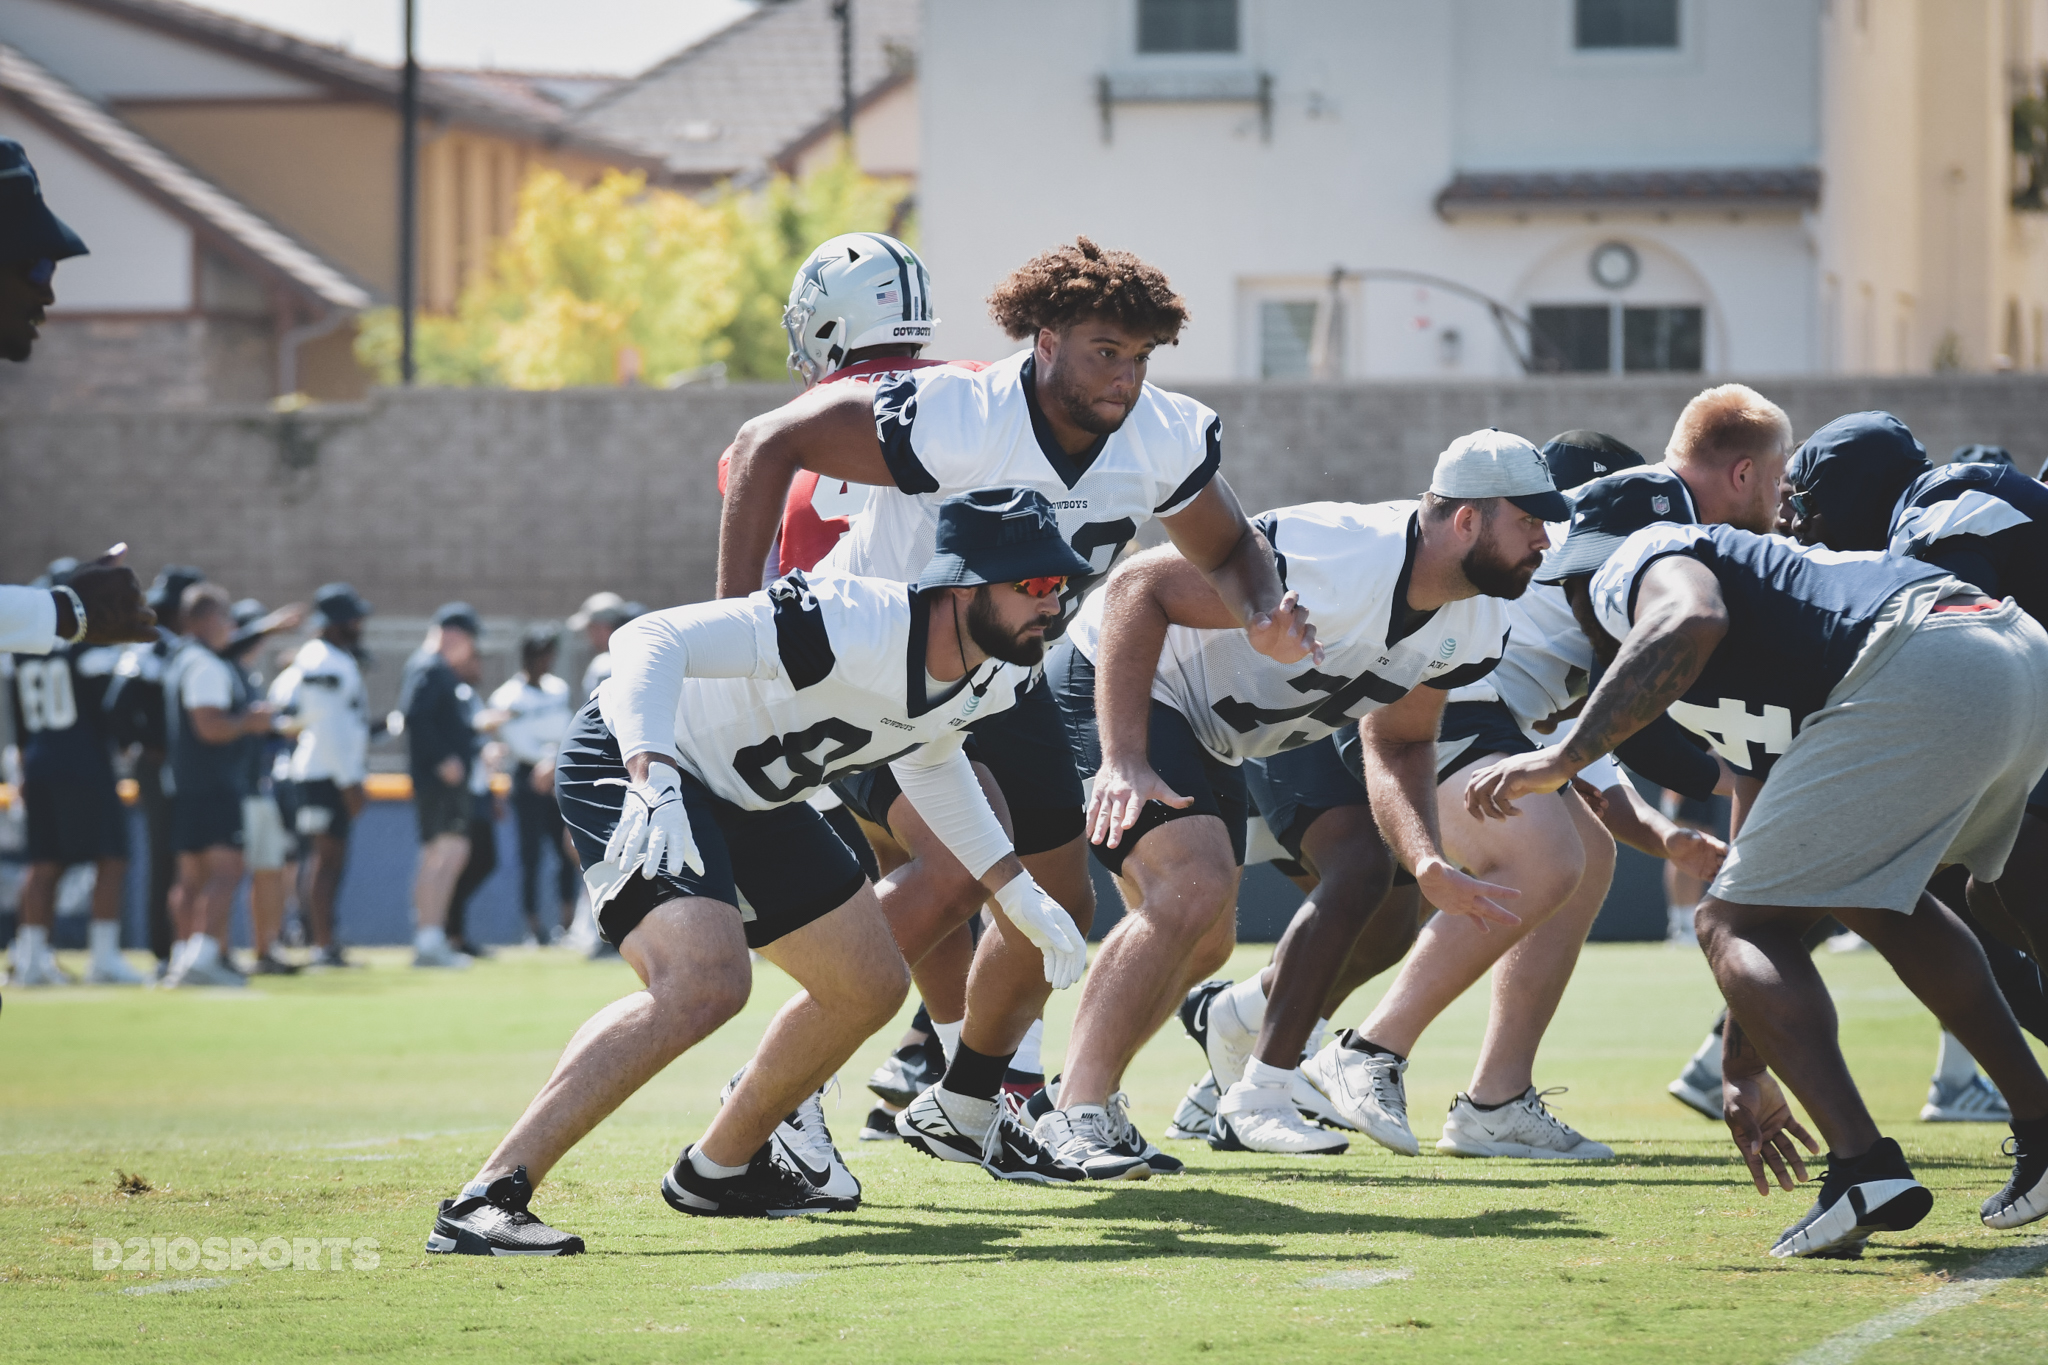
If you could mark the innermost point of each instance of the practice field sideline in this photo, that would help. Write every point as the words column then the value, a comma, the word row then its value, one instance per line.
column 341, row 1107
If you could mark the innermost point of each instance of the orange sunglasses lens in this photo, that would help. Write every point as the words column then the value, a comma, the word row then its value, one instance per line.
column 1041, row 587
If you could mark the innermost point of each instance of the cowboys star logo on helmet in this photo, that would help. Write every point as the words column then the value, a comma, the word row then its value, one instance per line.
column 858, row 289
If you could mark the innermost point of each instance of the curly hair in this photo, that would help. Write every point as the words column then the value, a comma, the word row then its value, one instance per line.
column 1059, row 288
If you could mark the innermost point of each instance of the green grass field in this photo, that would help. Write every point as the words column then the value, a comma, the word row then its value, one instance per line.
column 343, row 1106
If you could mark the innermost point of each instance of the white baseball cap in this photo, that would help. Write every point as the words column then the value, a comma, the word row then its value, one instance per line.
column 1498, row 464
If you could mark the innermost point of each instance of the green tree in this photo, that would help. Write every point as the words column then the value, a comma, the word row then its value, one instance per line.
column 619, row 279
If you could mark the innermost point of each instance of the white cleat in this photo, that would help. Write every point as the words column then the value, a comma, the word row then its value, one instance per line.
column 1974, row 1101
column 114, row 971
column 1254, row 1118
column 1365, row 1091
column 1196, row 1112
column 442, row 957
column 38, row 969
column 1522, row 1127
column 206, row 972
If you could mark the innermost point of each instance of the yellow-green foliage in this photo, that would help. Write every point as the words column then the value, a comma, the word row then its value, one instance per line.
column 587, row 273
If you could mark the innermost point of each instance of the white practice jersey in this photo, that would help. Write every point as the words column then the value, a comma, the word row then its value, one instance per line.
column 540, row 716
column 323, row 688
column 1351, row 564
column 810, row 680
column 1549, row 662
column 948, row 430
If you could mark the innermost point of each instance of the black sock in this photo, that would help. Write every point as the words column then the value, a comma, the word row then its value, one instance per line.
column 1489, row 1108
column 2030, row 1129
column 1358, row 1042
column 975, row 1074
column 921, row 1022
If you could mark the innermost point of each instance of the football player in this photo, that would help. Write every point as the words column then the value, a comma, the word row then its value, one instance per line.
column 1166, row 701
column 860, row 310
column 74, row 813
column 1072, row 417
column 684, row 781
column 1830, row 678
column 1562, row 861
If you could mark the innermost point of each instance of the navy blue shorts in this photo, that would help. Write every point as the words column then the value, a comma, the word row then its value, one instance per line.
column 788, row 861
column 2037, row 799
column 203, row 820
column 1293, row 788
column 1025, row 749
column 317, row 808
column 76, row 818
column 1180, row 759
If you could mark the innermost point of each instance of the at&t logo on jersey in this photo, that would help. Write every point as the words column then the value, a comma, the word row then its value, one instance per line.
column 1448, row 647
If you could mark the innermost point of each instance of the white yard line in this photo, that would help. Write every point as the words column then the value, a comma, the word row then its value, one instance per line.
column 1985, row 1277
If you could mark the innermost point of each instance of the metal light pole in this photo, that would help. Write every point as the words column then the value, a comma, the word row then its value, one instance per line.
column 842, row 10
column 408, row 200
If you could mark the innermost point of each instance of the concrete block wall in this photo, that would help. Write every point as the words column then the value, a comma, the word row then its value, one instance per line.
column 524, row 503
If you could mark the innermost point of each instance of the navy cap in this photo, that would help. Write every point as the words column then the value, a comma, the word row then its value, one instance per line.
column 1852, row 471
column 539, row 640
column 1608, row 511
column 247, row 612
column 1982, row 455
column 340, row 604
column 28, row 230
column 999, row 535
column 167, row 593
column 1576, row 457
column 461, row 616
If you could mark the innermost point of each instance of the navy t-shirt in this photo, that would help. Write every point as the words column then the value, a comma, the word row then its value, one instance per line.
column 1986, row 524
column 437, row 707
column 1797, row 620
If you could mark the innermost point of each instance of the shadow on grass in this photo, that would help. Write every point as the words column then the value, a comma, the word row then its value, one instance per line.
column 1137, row 1223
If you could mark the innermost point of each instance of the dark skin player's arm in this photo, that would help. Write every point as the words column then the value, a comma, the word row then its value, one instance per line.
column 1681, row 618
column 830, row 431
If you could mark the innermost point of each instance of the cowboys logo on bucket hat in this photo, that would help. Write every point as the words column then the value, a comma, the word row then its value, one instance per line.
column 999, row 535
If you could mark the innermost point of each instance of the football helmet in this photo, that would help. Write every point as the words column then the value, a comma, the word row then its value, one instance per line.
column 858, row 289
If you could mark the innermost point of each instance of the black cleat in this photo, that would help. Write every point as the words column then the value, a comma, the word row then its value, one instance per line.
column 1194, row 1012
column 496, row 1223
column 880, row 1125
column 768, row 1188
column 909, row 1071
column 1874, row 1193
column 2025, row 1197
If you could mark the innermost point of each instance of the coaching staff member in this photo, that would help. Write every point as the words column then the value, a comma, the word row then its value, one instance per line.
column 441, row 743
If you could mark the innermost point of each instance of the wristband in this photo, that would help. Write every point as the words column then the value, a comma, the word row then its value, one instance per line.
column 77, row 610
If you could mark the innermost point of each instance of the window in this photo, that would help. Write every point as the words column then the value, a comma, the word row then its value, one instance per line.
column 1573, row 339
column 1661, row 339
column 1288, row 330
column 1187, row 25
column 1609, row 24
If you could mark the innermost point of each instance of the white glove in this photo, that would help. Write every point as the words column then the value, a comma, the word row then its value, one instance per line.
column 1050, row 928
column 654, row 827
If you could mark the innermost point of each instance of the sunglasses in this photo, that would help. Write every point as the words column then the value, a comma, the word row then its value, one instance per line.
column 1040, row 587
column 1801, row 504
column 41, row 272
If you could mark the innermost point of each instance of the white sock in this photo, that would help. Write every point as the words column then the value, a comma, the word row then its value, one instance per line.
column 475, row 1189
column 1030, row 1053
column 710, row 1169
column 205, row 952
column 969, row 1113
column 1709, row 1052
column 105, row 940
column 949, row 1037
column 1267, row 1077
column 1248, row 1000
column 31, row 941
column 1952, row 1064
column 430, row 940
column 1316, row 1038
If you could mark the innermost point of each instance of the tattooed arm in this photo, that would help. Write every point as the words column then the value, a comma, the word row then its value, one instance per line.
column 1680, row 619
